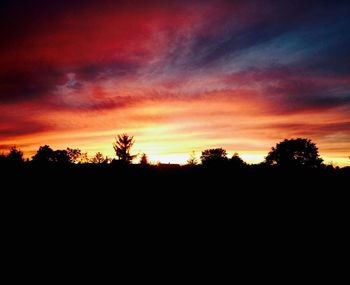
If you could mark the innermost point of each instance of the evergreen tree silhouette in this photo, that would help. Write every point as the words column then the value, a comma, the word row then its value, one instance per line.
column 122, row 146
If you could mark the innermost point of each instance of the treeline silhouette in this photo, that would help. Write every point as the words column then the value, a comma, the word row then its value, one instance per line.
column 291, row 182
column 299, row 153
column 290, row 161
column 291, row 164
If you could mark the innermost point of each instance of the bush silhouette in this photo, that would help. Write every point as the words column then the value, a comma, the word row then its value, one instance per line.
column 144, row 159
column 295, row 153
column 236, row 161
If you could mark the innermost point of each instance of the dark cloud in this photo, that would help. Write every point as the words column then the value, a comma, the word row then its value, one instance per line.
column 40, row 81
column 327, row 101
column 105, row 70
column 234, row 27
column 21, row 127
column 251, row 25
column 335, row 58
column 93, row 105
column 294, row 89
column 302, row 94
column 323, row 24
column 27, row 85
column 335, row 132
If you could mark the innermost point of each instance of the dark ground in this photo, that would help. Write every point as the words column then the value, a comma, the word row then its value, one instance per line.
column 179, row 211
column 106, row 178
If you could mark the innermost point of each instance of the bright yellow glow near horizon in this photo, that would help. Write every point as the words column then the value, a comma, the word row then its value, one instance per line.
column 169, row 134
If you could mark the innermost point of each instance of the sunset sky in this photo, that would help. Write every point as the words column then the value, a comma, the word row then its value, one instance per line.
column 178, row 75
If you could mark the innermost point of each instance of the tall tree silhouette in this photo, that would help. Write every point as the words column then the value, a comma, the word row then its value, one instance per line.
column 122, row 146
column 214, row 156
column 300, row 152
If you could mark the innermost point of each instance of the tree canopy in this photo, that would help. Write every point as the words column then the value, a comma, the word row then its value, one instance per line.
column 300, row 152
column 15, row 156
column 46, row 154
column 214, row 156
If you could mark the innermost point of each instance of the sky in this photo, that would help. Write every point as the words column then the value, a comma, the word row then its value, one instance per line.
column 180, row 76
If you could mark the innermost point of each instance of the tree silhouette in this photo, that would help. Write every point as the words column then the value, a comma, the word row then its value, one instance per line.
column 214, row 156
column 45, row 154
column 62, row 157
column 15, row 156
column 144, row 159
column 122, row 146
column 74, row 154
column 192, row 160
column 83, row 158
column 298, row 152
column 99, row 158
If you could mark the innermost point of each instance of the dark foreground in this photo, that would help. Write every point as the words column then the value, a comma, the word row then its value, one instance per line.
column 105, row 178
column 257, row 205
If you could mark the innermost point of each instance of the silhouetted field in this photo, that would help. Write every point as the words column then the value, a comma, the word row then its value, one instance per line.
column 109, row 177
column 131, row 201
